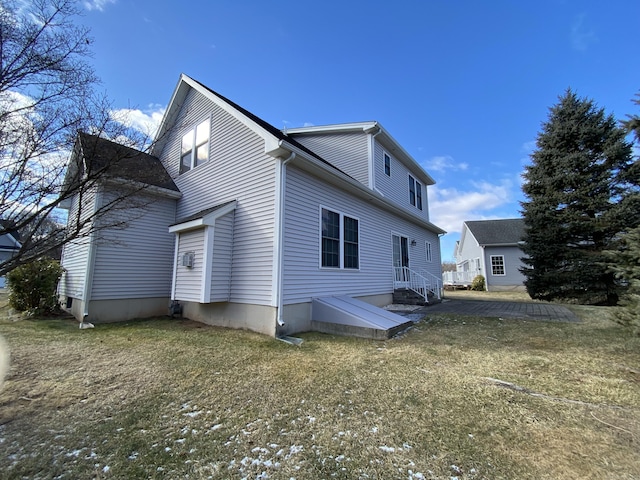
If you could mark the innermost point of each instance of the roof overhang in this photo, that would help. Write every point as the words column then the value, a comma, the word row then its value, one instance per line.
column 341, row 180
column 206, row 219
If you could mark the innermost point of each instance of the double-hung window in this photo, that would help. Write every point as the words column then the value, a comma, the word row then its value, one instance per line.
column 340, row 240
column 387, row 165
column 415, row 193
column 195, row 147
column 497, row 265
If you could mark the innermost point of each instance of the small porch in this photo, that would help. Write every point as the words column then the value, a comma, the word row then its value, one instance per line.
column 459, row 279
column 417, row 288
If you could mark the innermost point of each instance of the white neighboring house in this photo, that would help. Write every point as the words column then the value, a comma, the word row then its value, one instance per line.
column 490, row 248
column 9, row 244
column 255, row 223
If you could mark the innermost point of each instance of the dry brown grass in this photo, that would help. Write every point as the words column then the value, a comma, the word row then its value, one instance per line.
column 167, row 399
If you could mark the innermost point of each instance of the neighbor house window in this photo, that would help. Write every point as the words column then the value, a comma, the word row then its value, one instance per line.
column 387, row 165
column 340, row 240
column 428, row 249
column 415, row 193
column 195, row 147
column 497, row 265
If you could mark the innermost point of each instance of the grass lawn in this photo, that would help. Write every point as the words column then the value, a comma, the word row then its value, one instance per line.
column 455, row 397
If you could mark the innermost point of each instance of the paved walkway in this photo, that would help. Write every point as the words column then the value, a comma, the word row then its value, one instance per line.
column 530, row 311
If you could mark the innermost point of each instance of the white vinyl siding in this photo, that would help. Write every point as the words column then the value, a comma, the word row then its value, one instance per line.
column 238, row 169
column 222, row 259
column 396, row 186
column 346, row 151
column 137, row 262
column 75, row 254
column 303, row 277
column 511, row 260
column 189, row 279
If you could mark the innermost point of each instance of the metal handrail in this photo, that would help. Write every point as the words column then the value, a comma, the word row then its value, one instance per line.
column 404, row 277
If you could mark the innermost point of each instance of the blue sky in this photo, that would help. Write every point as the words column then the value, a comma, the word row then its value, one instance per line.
column 462, row 85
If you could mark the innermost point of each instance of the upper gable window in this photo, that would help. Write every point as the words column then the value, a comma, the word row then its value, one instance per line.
column 415, row 193
column 387, row 165
column 195, row 147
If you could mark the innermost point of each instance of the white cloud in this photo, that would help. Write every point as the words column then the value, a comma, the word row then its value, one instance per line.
column 98, row 5
column 581, row 35
column 145, row 121
column 443, row 163
column 449, row 207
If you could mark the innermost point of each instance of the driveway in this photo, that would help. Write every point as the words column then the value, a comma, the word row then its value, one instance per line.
column 490, row 308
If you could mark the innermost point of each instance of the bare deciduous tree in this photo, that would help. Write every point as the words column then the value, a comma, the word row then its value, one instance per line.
column 48, row 94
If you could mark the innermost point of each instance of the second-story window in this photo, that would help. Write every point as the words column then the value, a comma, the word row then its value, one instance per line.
column 415, row 193
column 195, row 147
column 387, row 165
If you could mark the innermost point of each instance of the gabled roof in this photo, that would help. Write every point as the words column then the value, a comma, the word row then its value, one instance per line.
column 497, row 232
column 278, row 144
column 255, row 122
column 122, row 162
column 389, row 143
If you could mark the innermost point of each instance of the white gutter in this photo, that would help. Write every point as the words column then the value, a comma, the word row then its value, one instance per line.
column 278, row 284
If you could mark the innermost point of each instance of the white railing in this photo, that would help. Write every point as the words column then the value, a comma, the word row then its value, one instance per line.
column 404, row 277
column 460, row 278
column 435, row 283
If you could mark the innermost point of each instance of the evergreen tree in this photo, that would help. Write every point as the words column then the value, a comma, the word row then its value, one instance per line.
column 625, row 258
column 579, row 191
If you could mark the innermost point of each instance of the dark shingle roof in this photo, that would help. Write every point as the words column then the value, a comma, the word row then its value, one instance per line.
column 120, row 161
column 497, row 232
column 270, row 128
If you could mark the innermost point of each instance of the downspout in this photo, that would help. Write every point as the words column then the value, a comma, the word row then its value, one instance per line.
column 91, row 257
column 280, row 235
column 372, row 152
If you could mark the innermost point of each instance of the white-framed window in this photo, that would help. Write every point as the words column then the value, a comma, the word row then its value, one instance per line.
column 428, row 251
column 415, row 193
column 194, row 148
column 497, row 265
column 387, row 164
column 339, row 239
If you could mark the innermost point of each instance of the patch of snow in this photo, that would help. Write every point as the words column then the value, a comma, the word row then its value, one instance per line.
column 384, row 448
column 106, row 468
column 216, row 426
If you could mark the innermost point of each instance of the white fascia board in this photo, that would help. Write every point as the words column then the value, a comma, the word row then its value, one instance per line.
column 344, row 181
column 335, row 128
column 258, row 129
column 205, row 220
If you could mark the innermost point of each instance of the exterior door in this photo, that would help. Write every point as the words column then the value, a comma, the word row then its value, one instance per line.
column 400, row 256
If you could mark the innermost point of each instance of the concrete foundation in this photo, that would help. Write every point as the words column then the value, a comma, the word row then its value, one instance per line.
column 118, row 310
column 258, row 318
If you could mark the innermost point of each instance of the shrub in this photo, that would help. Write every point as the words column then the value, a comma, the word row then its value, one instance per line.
column 32, row 287
column 478, row 284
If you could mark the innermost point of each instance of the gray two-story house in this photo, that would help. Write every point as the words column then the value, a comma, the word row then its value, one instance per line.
column 253, row 224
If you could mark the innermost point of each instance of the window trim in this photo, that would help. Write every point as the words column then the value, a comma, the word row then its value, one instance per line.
column 493, row 267
column 428, row 252
column 341, row 240
column 386, row 164
column 412, row 190
column 418, row 195
column 192, row 152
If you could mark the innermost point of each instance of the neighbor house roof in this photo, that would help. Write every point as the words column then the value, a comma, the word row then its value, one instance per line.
column 508, row 231
column 123, row 162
